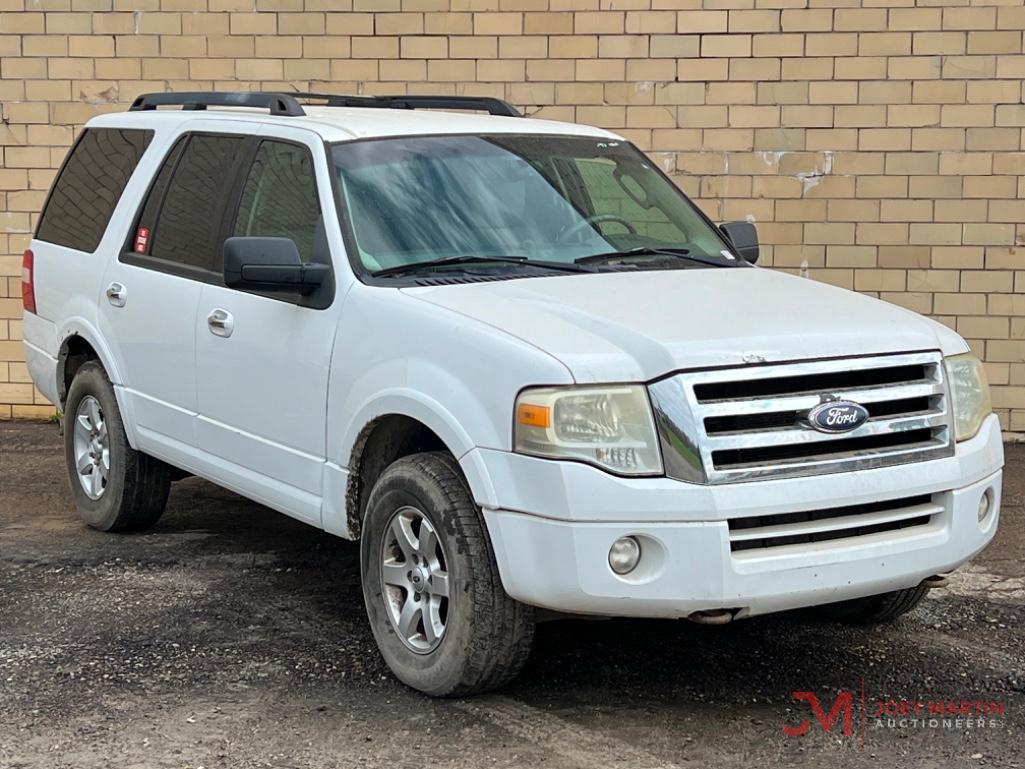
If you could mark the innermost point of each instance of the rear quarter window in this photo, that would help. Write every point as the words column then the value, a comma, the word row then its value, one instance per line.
column 89, row 186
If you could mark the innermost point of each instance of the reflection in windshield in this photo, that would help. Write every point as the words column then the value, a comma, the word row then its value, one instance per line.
column 549, row 198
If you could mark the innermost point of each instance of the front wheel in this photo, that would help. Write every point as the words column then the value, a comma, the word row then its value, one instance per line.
column 874, row 609
column 434, row 598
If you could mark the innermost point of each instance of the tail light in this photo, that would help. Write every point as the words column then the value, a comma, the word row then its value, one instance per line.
column 28, row 285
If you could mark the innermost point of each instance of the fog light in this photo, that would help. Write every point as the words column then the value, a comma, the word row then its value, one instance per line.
column 624, row 555
column 985, row 504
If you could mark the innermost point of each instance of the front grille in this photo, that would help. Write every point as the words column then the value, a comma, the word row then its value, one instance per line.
column 751, row 422
column 765, row 532
column 763, row 455
column 807, row 383
column 747, row 422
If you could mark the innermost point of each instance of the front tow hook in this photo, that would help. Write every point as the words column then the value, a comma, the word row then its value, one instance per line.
column 711, row 617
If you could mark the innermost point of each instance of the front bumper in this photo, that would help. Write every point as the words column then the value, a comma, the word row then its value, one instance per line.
column 552, row 523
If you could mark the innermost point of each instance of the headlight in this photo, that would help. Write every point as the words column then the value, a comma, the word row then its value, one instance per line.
column 969, row 392
column 611, row 427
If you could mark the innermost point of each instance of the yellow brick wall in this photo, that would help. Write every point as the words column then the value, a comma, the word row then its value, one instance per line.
column 878, row 144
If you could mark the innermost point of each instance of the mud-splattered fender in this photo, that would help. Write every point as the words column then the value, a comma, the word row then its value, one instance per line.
column 395, row 354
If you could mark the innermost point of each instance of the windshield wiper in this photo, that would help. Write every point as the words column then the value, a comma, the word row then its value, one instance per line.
column 445, row 261
column 630, row 253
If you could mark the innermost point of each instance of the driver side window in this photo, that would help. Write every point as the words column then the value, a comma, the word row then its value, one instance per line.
column 280, row 198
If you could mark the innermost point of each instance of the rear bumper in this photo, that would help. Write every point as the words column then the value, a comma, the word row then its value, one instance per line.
column 39, row 347
column 559, row 561
column 42, row 367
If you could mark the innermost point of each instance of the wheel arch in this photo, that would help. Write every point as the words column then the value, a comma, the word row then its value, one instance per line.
column 74, row 352
column 79, row 342
column 381, row 442
column 398, row 425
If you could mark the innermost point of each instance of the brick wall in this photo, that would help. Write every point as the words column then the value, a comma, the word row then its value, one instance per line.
column 877, row 143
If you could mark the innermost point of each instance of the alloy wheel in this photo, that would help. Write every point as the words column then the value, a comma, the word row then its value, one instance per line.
column 92, row 447
column 414, row 575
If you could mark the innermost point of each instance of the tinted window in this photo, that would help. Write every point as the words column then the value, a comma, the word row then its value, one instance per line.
column 280, row 197
column 90, row 185
column 189, row 197
column 148, row 217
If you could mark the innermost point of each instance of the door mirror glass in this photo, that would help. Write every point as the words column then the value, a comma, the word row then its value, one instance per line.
column 271, row 265
column 744, row 238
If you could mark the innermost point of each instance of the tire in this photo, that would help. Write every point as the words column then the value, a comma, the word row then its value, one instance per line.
column 874, row 609
column 486, row 635
column 134, row 493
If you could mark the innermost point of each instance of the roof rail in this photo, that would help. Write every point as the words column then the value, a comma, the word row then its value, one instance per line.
column 286, row 104
column 487, row 104
column 277, row 103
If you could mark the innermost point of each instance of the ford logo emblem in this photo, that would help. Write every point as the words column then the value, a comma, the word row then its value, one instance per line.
column 838, row 416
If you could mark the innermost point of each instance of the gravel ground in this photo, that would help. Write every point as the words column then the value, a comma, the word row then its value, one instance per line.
column 230, row 636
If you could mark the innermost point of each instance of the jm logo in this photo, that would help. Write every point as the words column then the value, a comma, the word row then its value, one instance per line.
column 842, row 705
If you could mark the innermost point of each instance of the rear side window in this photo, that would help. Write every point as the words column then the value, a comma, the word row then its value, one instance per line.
column 280, row 197
column 90, row 185
column 181, row 219
column 151, row 207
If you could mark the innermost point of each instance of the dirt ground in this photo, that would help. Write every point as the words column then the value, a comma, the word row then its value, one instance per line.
column 231, row 636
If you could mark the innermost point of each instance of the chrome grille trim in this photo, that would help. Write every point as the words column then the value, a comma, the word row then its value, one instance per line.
column 915, row 408
column 862, row 395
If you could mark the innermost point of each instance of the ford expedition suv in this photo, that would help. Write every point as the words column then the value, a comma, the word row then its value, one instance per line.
column 508, row 356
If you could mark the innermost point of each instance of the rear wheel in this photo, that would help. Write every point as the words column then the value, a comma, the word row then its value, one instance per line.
column 874, row 609
column 115, row 487
column 434, row 598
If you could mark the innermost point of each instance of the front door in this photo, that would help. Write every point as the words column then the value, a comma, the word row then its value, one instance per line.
column 263, row 360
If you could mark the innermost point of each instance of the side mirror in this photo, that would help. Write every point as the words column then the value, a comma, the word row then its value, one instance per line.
column 744, row 238
column 270, row 264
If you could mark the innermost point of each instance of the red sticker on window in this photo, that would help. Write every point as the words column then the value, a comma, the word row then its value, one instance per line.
column 141, row 240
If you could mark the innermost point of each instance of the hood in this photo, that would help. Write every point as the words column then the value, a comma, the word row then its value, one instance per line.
column 638, row 326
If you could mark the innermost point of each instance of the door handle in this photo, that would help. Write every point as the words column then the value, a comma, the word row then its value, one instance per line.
column 117, row 294
column 221, row 322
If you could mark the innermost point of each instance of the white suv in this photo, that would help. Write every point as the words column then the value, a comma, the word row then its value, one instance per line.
column 508, row 356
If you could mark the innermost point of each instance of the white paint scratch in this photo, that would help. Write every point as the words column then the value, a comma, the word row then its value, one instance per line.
column 667, row 161
column 810, row 179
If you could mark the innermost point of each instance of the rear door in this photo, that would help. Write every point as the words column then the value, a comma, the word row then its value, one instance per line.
column 263, row 360
column 152, row 291
column 79, row 232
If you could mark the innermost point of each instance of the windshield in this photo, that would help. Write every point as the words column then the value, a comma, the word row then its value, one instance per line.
column 546, row 198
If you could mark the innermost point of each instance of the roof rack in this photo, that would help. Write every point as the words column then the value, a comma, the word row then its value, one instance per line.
column 286, row 104
column 488, row 104
column 277, row 103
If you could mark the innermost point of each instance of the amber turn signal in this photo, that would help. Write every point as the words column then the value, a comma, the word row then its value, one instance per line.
column 535, row 416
